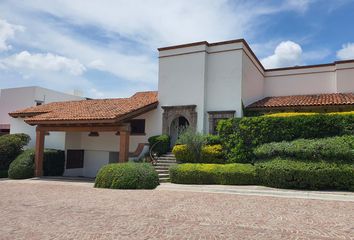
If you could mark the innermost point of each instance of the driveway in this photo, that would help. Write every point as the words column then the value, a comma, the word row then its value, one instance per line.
column 41, row 209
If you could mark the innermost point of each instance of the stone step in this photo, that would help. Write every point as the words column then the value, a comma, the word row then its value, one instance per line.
column 167, row 158
column 162, row 170
column 166, row 161
column 164, row 175
column 164, row 179
column 165, row 164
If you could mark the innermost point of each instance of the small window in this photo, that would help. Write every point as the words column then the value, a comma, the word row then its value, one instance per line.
column 75, row 159
column 137, row 126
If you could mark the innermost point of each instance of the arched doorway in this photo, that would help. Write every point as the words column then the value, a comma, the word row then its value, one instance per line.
column 177, row 125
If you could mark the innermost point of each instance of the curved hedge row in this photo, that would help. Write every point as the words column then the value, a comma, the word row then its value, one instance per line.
column 23, row 166
column 337, row 149
column 284, row 173
column 228, row 174
column 127, row 176
column 209, row 154
column 240, row 135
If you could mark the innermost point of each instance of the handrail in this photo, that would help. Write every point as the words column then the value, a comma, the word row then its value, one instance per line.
column 153, row 156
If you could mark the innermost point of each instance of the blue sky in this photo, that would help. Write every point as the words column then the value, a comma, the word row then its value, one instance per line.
column 108, row 48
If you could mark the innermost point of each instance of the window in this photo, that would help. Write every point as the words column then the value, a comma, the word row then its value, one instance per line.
column 137, row 126
column 216, row 116
column 75, row 159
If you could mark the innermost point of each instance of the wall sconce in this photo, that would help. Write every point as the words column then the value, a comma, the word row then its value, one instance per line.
column 93, row 134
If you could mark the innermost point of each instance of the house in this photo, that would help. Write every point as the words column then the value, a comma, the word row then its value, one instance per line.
column 199, row 84
column 12, row 99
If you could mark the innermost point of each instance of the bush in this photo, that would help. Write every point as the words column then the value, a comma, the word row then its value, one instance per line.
column 240, row 135
column 292, row 114
column 228, row 174
column 209, row 154
column 3, row 174
column 284, row 173
column 127, row 176
column 10, row 147
column 212, row 139
column 194, row 143
column 162, row 144
column 337, row 149
column 23, row 166
column 53, row 162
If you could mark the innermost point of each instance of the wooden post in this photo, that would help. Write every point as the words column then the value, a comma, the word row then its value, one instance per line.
column 124, row 146
column 40, row 134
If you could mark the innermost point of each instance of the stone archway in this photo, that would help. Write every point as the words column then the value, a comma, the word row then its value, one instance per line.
column 177, row 126
column 175, row 112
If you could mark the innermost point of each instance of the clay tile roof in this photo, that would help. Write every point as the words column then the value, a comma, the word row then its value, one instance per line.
column 98, row 109
column 305, row 100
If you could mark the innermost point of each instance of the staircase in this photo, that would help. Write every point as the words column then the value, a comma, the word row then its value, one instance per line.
column 163, row 163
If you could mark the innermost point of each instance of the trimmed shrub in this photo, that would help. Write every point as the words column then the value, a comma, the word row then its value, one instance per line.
column 162, row 144
column 209, row 154
column 212, row 139
column 227, row 174
column 22, row 167
column 240, row 135
column 3, row 174
column 194, row 142
column 284, row 173
column 337, row 149
column 292, row 114
column 53, row 162
column 127, row 176
column 11, row 146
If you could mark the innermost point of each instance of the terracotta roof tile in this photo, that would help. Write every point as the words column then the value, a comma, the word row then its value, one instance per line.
column 98, row 109
column 305, row 100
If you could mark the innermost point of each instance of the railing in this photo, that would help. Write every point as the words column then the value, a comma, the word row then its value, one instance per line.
column 153, row 155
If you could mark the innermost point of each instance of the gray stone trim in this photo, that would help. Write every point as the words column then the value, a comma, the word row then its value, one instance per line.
column 172, row 112
column 214, row 116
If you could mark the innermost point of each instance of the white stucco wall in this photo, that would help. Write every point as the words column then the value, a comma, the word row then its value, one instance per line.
column 182, row 79
column 252, row 79
column 345, row 77
column 55, row 140
column 300, row 81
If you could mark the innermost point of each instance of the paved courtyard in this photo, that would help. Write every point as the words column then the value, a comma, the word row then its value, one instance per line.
column 37, row 209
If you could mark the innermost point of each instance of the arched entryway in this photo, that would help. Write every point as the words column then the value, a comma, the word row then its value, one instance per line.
column 177, row 125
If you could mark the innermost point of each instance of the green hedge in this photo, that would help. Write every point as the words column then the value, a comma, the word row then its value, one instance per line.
column 282, row 173
column 127, row 176
column 53, row 162
column 11, row 146
column 162, row 144
column 3, row 173
column 337, row 149
column 23, row 166
column 209, row 154
column 227, row 174
column 240, row 135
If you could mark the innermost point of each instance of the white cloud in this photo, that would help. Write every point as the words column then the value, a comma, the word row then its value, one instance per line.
column 43, row 62
column 346, row 52
column 7, row 31
column 134, row 30
column 287, row 53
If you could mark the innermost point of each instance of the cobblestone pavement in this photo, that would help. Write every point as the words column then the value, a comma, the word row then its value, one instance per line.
column 36, row 209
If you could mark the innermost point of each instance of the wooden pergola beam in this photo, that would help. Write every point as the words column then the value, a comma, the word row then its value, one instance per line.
column 117, row 128
column 40, row 135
